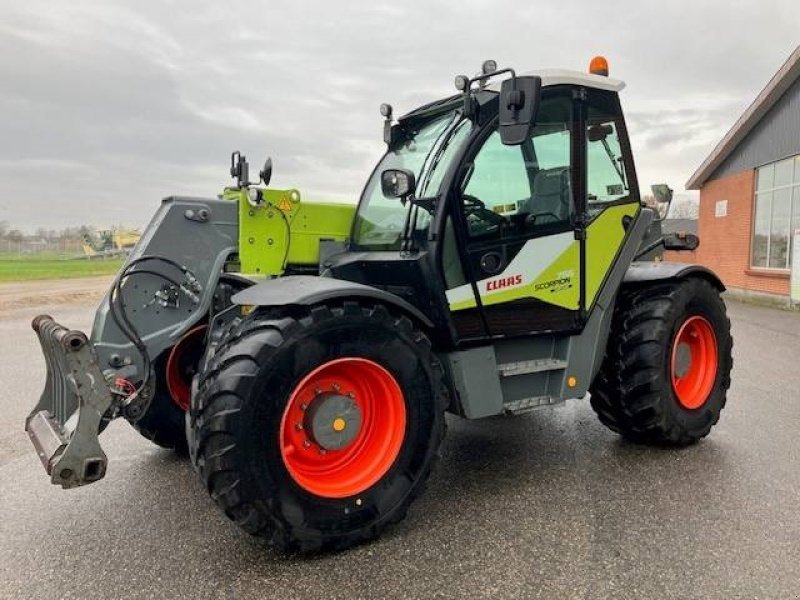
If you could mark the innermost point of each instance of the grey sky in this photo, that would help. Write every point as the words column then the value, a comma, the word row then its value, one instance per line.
column 105, row 107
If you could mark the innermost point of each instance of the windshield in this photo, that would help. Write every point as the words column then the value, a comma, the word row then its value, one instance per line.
column 427, row 151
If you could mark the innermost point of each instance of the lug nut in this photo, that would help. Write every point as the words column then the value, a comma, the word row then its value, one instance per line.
column 306, row 444
column 298, row 426
column 335, row 387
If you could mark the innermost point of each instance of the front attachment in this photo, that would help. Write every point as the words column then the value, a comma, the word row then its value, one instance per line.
column 65, row 424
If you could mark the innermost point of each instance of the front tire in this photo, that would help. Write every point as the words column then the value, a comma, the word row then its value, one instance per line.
column 667, row 368
column 271, row 401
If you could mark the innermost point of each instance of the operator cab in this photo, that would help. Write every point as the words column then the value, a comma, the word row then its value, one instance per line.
column 499, row 211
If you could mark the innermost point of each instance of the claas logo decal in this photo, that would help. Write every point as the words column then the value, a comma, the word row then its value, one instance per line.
column 498, row 284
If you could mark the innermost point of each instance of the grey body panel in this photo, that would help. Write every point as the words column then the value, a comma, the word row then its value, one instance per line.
column 473, row 374
column 644, row 271
column 776, row 136
column 307, row 290
column 80, row 395
column 199, row 234
column 586, row 351
column 535, row 371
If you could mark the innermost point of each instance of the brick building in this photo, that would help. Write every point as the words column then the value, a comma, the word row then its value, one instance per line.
column 750, row 191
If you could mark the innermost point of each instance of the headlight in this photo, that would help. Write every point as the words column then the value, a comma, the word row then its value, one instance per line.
column 254, row 196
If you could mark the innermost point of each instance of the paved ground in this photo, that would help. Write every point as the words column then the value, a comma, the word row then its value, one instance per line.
column 548, row 505
column 16, row 294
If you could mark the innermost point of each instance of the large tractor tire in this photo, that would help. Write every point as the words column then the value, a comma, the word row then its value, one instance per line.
column 668, row 362
column 316, row 432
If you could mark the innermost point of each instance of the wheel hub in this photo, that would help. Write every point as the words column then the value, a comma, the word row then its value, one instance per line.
column 343, row 427
column 683, row 360
column 333, row 420
column 694, row 362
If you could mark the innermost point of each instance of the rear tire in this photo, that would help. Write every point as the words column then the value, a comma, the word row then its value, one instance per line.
column 640, row 391
column 242, row 413
column 164, row 423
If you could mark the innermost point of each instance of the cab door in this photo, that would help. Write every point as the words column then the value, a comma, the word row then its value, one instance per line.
column 518, row 218
column 611, row 190
column 542, row 223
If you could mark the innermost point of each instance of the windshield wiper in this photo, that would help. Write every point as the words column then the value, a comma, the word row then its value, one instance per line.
column 427, row 203
column 437, row 157
column 615, row 162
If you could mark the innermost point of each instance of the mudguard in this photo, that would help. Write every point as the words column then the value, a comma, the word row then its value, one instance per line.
column 646, row 271
column 307, row 290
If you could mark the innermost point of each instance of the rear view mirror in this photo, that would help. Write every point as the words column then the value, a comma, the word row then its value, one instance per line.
column 398, row 183
column 519, row 101
column 597, row 133
column 663, row 198
column 266, row 172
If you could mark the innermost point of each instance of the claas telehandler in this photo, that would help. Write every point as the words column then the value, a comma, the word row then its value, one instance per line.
column 500, row 259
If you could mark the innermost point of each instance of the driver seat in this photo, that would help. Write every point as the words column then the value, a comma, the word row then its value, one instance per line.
column 552, row 197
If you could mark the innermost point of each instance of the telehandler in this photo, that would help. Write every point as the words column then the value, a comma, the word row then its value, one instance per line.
column 500, row 259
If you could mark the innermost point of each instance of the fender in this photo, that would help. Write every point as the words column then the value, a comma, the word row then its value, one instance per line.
column 307, row 290
column 646, row 271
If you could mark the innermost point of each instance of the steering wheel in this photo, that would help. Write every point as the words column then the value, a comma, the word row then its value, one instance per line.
column 474, row 207
column 472, row 203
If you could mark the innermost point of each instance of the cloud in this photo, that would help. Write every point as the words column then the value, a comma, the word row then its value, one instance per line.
column 108, row 106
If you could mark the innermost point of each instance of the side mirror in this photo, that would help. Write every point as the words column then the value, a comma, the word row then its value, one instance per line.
column 663, row 198
column 398, row 183
column 519, row 102
column 266, row 172
column 681, row 241
column 597, row 133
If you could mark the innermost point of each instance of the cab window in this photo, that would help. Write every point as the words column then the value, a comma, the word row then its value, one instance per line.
column 525, row 189
column 606, row 177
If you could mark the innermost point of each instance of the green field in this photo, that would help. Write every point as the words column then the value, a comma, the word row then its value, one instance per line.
column 26, row 268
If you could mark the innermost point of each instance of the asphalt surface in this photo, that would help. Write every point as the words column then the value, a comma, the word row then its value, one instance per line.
column 548, row 505
column 15, row 294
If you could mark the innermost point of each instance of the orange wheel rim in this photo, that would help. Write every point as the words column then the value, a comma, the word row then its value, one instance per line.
column 181, row 364
column 343, row 427
column 694, row 362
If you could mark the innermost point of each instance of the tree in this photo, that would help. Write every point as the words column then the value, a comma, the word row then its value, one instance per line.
column 683, row 208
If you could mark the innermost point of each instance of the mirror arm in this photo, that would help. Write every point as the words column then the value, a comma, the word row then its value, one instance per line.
column 469, row 111
column 649, row 248
column 240, row 170
column 487, row 76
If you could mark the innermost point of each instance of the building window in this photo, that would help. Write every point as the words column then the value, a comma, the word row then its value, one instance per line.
column 777, row 213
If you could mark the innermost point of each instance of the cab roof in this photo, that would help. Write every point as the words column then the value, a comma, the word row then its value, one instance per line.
column 549, row 77
column 568, row 77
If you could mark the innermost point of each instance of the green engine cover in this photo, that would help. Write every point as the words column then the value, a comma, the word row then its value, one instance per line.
column 282, row 231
